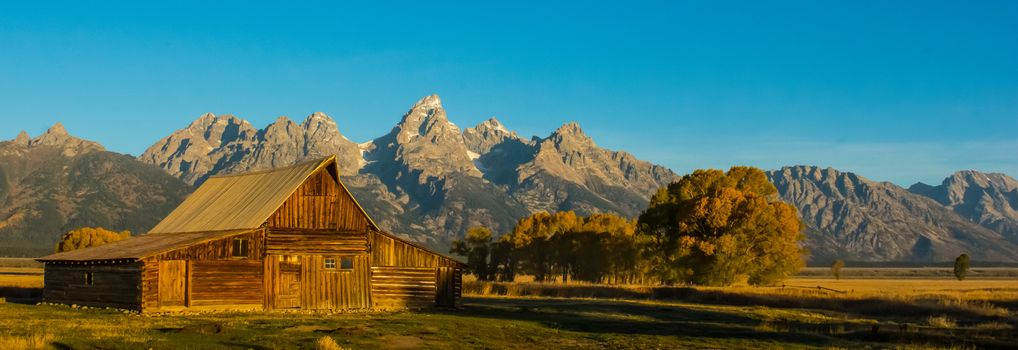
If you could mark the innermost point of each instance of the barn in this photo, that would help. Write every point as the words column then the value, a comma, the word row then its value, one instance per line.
column 287, row 238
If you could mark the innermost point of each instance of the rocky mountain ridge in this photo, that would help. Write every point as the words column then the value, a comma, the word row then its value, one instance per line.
column 853, row 218
column 57, row 182
column 427, row 178
column 989, row 199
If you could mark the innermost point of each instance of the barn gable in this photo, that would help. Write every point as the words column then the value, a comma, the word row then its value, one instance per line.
column 249, row 200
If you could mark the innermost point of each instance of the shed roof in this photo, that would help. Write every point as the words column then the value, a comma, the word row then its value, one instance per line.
column 141, row 246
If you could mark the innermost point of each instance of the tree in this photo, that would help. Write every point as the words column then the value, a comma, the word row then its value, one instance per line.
column 476, row 246
column 715, row 228
column 836, row 268
column 86, row 237
column 961, row 266
column 600, row 248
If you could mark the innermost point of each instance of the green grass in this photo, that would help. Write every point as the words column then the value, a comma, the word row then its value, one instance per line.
column 525, row 323
column 913, row 314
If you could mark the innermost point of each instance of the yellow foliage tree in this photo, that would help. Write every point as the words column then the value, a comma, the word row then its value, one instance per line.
column 86, row 237
column 715, row 228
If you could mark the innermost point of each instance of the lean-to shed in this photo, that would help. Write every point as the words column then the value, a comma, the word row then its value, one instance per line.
column 288, row 238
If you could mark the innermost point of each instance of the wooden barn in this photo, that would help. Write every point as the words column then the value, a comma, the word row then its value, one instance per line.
column 288, row 238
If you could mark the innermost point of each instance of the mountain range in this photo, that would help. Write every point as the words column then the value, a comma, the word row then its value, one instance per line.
column 429, row 180
column 56, row 182
column 426, row 178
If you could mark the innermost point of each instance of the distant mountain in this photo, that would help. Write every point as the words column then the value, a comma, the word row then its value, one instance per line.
column 56, row 182
column 850, row 217
column 430, row 181
column 427, row 178
column 989, row 199
column 226, row 144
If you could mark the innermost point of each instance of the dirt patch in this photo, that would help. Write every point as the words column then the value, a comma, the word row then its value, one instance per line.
column 345, row 331
column 402, row 342
column 307, row 328
column 203, row 328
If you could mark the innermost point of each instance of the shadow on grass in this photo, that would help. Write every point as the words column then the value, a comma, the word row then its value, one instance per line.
column 629, row 318
column 874, row 307
column 818, row 300
column 595, row 316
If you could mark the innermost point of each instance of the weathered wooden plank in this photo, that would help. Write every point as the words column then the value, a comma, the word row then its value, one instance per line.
column 112, row 285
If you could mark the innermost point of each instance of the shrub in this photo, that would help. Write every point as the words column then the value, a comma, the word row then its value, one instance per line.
column 961, row 266
column 86, row 237
column 941, row 322
column 327, row 343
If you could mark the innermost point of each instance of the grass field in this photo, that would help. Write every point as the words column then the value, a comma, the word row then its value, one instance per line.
column 850, row 314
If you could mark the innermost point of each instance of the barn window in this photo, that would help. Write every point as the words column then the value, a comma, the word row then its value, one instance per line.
column 346, row 263
column 88, row 278
column 330, row 263
column 240, row 248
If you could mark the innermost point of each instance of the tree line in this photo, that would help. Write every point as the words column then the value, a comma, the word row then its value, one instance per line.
column 710, row 228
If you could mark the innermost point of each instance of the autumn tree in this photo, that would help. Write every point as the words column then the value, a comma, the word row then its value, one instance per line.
column 86, row 237
column 563, row 245
column 714, row 228
column 836, row 267
column 961, row 266
column 476, row 246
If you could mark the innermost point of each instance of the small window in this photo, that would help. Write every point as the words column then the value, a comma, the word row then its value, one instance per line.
column 88, row 278
column 239, row 248
column 346, row 263
column 330, row 263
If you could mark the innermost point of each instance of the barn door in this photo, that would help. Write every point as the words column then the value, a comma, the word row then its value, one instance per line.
column 172, row 283
column 288, row 285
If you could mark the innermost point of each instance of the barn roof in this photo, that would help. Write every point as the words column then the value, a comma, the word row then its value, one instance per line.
column 141, row 246
column 241, row 201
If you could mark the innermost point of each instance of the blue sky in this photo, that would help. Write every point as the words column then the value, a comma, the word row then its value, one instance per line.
column 896, row 91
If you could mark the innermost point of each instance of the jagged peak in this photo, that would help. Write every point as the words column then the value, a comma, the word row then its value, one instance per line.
column 820, row 173
column 978, row 178
column 22, row 138
column 492, row 124
column 205, row 119
column 430, row 101
column 570, row 131
column 318, row 117
column 57, row 129
column 570, row 128
column 57, row 135
column 208, row 119
column 280, row 121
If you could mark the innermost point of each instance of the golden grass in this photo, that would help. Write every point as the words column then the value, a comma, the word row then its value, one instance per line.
column 970, row 300
column 20, row 281
column 941, row 322
column 34, row 341
column 327, row 343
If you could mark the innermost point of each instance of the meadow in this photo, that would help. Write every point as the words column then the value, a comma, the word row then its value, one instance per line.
column 919, row 312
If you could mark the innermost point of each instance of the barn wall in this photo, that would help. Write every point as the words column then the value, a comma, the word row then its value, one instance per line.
column 289, row 241
column 400, row 286
column 448, row 286
column 320, row 203
column 226, row 283
column 322, row 288
column 404, row 275
column 220, row 249
column 150, row 285
column 214, row 276
column 387, row 251
column 116, row 285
